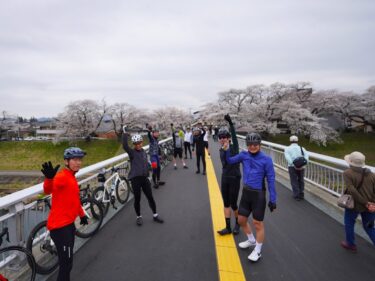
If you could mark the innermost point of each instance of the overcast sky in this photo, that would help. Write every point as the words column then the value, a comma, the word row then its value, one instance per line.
column 177, row 53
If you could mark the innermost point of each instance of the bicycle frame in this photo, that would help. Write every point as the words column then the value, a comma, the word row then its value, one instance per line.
column 110, row 185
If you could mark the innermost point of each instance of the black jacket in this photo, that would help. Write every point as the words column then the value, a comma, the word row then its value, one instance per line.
column 231, row 170
column 139, row 166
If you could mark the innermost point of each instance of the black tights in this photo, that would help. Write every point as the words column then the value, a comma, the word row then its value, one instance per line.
column 187, row 147
column 199, row 156
column 64, row 240
column 156, row 174
column 143, row 183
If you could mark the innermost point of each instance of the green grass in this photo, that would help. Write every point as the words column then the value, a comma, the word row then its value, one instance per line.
column 362, row 142
column 29, row 155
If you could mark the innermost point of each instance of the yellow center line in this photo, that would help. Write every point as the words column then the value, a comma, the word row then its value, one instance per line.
column 229, row 264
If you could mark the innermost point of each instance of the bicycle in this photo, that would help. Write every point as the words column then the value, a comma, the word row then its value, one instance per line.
column 16, row 262
column 41, row 245
column 166, row 154
column 115, row 187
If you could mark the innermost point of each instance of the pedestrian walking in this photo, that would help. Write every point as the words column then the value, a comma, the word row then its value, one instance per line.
column 360, row 184
column 296, row 174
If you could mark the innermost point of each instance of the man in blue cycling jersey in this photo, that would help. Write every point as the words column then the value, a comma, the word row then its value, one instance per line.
column 257, row 167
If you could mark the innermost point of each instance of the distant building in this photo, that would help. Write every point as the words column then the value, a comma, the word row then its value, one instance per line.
column 50, row 134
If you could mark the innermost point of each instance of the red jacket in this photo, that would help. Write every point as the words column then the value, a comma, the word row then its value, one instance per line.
column 66, row 203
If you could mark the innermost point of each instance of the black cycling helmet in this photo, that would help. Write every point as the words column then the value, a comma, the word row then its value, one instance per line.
column 253, row 138
column 74, row 152
column 223, row 132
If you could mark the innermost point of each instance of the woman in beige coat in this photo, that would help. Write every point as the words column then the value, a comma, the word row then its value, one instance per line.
column 360, row 183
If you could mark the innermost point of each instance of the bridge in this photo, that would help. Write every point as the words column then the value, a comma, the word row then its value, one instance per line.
column 302, row 238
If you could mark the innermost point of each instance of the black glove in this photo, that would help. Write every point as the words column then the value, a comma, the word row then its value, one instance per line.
column 48, row 170
column 84, row 220
column 272, row 206
column 171, row 124
column 227, row 118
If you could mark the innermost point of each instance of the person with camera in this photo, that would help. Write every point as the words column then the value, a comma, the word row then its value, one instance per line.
column 257, row 167
column 230, row 177
column 64, row 188
column 360, row 184
column 297, row 157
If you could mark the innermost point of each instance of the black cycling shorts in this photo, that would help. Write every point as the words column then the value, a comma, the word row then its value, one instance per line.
column 230, row 187
column 253, row 201
column 177, row 151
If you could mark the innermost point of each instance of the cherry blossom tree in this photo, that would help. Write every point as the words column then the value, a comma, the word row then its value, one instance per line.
column 123, row 114
column 82, row 118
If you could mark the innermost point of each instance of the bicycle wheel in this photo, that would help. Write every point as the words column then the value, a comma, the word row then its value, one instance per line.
column 17, row 264
column 94, row 212
column 43, row 249
column 99, row 195
column 122, row 190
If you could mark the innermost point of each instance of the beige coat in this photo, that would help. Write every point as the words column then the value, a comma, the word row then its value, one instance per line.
column 366, row 193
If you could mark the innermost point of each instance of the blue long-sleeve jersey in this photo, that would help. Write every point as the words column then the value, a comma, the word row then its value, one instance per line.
column 256, row 167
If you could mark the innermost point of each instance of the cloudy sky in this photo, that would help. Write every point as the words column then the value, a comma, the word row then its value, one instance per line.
column 177, row 53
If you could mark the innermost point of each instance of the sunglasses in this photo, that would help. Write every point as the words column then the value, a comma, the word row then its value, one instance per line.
column 222, row 137
column 137, row 143
column 253, row 144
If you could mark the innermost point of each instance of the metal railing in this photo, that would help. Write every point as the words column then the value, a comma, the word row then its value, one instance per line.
column 322, row 171
column 20, row 212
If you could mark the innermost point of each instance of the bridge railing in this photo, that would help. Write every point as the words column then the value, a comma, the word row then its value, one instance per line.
column 322, row 171
column 20, row 212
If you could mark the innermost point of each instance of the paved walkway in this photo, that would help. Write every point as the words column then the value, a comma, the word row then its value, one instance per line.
column 302, row 243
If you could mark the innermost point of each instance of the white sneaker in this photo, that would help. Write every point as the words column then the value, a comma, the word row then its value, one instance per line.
column 254, row 256
column 246, row 244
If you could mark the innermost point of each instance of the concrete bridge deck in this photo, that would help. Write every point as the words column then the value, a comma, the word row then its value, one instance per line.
column 302, row 242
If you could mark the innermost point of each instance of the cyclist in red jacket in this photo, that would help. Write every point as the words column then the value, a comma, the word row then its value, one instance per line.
column 65, row 207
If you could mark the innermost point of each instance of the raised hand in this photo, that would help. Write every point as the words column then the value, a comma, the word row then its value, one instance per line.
column 228, row 119
column 48, row 170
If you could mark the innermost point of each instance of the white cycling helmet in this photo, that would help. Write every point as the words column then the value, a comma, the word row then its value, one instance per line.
column 137, row 138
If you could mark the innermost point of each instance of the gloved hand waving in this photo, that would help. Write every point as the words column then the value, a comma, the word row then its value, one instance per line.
column 228, row 119
column 48, row 170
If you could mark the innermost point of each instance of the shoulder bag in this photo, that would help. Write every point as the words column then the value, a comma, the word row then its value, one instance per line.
column 301, row 161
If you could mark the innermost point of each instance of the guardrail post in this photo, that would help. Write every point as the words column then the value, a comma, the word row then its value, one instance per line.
column 14, row 223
